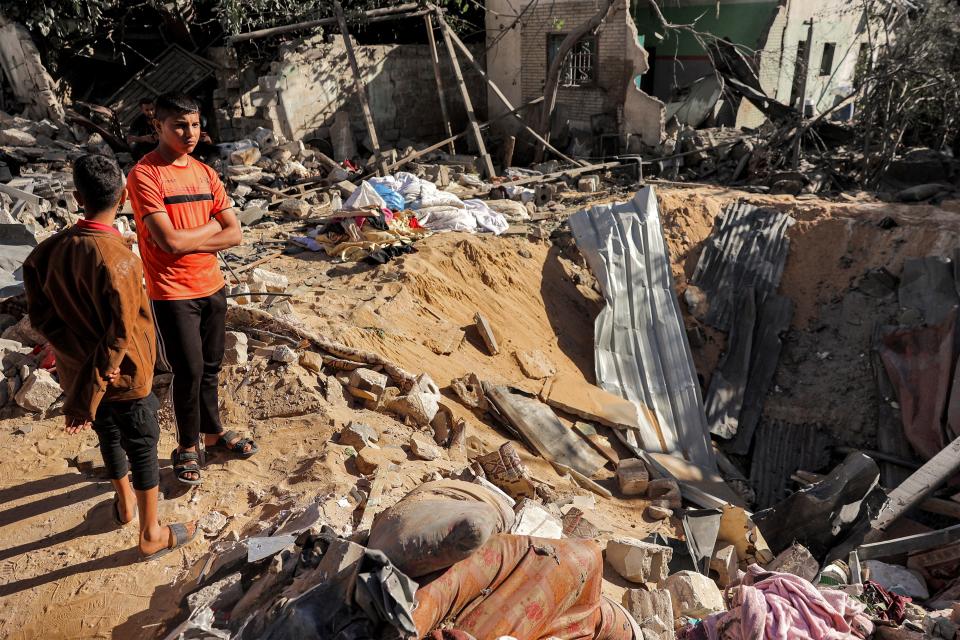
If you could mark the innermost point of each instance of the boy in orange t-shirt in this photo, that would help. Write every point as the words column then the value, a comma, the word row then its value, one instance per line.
column 183, row 219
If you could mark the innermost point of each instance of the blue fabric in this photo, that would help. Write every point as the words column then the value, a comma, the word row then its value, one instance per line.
column 393, row 199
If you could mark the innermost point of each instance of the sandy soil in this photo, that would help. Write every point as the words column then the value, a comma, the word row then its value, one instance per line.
column 67, row 572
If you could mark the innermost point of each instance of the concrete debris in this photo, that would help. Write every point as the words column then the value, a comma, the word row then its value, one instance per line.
column 653, row 610
column 657, row 512
column 273, row 282
column 896, row 579
column 369, row 459
column 284, row 354
column 633, row 477
column 39, row 391
column 333, row 392
column 295, row 208
column 486, row 333
column 533, row 519
column 665, row 490
column 639, row 561
column 357, row 435
column 235, row 348
column 424, row 448
column 369, row 380
column 311, row 361
column 535, row 364
column 796, row 559
column 693, row 595
column 419, row 407
column 724, row 565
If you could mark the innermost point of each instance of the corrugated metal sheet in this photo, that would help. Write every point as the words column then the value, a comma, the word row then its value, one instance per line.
column 642, row 352
column 748, row 248
column 780, row 450
column 176, row 69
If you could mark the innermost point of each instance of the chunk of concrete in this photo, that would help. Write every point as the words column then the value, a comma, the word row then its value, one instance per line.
column 311, row 361
column 652, row 609
column 357, row 435
column 724, row 564
column 667, row 490
column 333, row 392
column 535, row 364
column 284, row 354
column 897, row 579
column 424, row 448
column 657, row 512
column 418, row 407
column 24, row 333
column 248, row 156
column 16, row 138
column 39, row 391
column 632, row 476
column 486, row 333
column 797, row 560
column 639, row 561
column 534, row 520
column 273, row 282
column 694, row 595
column 295, row 208
column 588, row 184
column 235, row 348
column 370, row 459
column 369, row 380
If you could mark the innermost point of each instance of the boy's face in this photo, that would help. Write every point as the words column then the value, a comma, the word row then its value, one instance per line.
column 147, row 110
column 180, row 133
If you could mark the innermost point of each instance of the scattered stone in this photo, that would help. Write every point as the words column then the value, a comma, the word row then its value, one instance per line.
column 419, row 407
column 694, row 595
column 220, row 595
column 797, row 560
column 248, row 156
column 235, row 348
column 633, row 477
column 295, row 208
column 535, row 364
column 588, row 184
column 283, row 353
column 534, row 520
column 272, row 282
column 370, row 459
column 657, row 512
column 486, row 333
column 311, row 361
column 639, row 561
column 369, row 380
column 653, row 610
column 213, row 523
column 724, row 563
column 357, row 435
column 16, row 138
column 334, row 393
column 39, row 391
column 470, row 391
column 424, row 448
column 667, row 490
column 24, row 333
column 896, row 579
column 425, row 384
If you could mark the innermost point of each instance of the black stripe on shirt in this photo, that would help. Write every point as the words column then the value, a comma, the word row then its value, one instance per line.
column 190, row 197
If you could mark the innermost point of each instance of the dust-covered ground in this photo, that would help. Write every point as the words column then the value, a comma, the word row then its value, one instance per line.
column 67, row 572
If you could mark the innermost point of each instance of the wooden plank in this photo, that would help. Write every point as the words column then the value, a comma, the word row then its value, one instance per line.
column 919, row 542
column 448, row 32
column 257, row 263
column 557, row 175
column 361, row 91
column 435, row 59
column 386, row 12
column 486, row 164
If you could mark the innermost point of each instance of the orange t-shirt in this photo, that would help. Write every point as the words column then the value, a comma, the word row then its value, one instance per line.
column 190, row 195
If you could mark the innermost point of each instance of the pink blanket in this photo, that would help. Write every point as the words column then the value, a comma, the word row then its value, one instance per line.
column 782, row 606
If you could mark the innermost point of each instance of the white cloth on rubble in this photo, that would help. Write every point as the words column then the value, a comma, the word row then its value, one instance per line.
column 446, row 218
column 365, row 196
column 485, row 217
column 439, row 210
column 510, row 209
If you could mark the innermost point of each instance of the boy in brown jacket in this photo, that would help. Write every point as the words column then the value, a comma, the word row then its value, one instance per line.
column 85, row 295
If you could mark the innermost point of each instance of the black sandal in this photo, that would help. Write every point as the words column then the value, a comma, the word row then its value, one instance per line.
column 186, row 462
column 223, row 442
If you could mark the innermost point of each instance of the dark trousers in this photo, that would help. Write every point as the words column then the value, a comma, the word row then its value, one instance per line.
column 128, row 432
column 191, row 336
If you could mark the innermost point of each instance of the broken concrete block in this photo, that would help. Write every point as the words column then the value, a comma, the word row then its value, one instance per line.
column 357, row 435
column 295, row 208
column 425, row 384
column 633, row 477
column 657, row 512
column 724, row 563
column 235, row 348
column 665, row 489
column 652, row 609
column 370, row 459
column 16, row 138
column 486, row 333
column 333, row 392
column 245, row 157
column 369, row 380
column 438, row 174
column 273, row 282
column 283, row 353
column 535, row 364
column 534, row 520
column 419, row 407
column 424, row 448
column 265, row 138
column 311, row 361
column 24, row 333
column 639, row 561
column 39, row 391
column 694, row 595
column 896, row 579
column 588, row 184
column 219, row 596
column 797, row 560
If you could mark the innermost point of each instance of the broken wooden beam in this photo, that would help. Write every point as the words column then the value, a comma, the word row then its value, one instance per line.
column 438, row 78
column 908, row 544
column 360, row 89
column 557, row 175
column 374, row 15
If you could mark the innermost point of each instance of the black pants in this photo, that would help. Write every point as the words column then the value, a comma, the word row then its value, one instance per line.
column 191, row 336
column 128, row 433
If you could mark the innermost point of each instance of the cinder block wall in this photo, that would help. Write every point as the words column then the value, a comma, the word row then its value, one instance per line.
column 613, row 66
column 308, row 84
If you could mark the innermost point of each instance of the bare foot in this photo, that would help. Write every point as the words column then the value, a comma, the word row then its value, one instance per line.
column 159, row 537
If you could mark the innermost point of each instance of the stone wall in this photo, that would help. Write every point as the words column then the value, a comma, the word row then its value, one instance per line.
column 32, row 85
column 302, row 90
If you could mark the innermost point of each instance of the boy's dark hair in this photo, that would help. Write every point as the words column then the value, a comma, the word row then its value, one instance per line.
column 99, row 182
column 146, row 100
column 170, row 105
